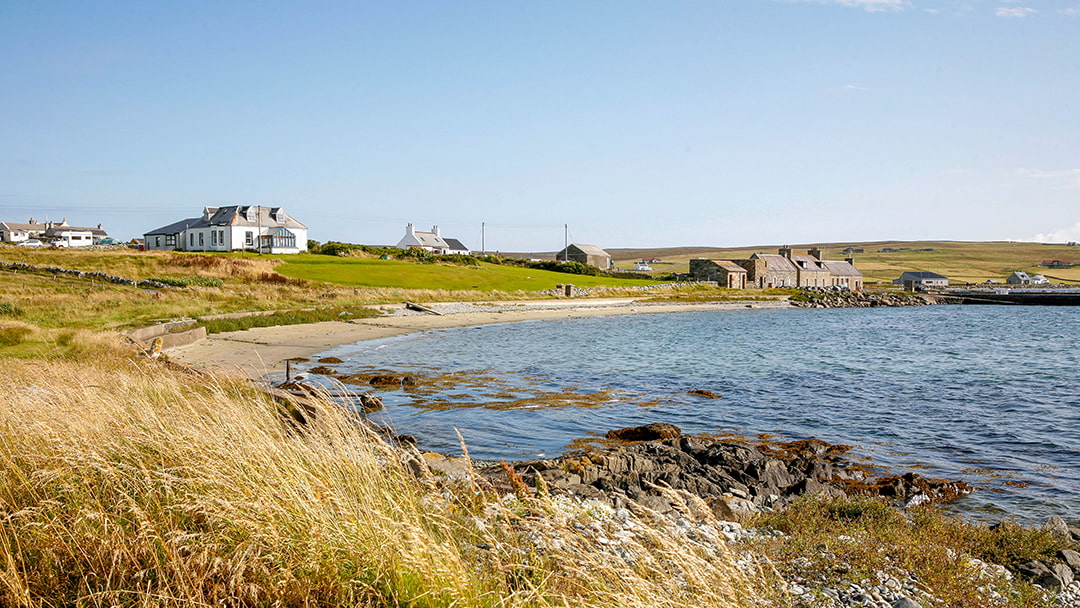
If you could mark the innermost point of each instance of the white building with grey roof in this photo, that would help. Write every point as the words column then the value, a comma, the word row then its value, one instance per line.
column 431, row 241
column 56, row 233
column 237, row 227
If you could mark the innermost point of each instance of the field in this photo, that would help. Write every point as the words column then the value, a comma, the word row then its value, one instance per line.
column 960, row 261
column 41, row 312
column 373, row 272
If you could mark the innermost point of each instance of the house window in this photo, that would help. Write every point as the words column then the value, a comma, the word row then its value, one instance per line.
column 221, row 237
column 249, row 238
column 157, row 241
column 213, row 238
column 170, row 240
column 202, row 241
column 191, row 239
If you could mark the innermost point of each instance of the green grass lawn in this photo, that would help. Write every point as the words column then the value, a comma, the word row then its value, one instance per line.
column 371, row 272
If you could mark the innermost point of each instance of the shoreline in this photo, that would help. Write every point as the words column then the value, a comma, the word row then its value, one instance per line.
column 262, row 351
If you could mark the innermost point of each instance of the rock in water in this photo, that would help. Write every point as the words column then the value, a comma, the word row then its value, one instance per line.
column 700, row 392
column 370, row 403
column 648, row 432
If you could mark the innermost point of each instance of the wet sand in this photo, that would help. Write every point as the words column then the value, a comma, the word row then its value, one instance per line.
column 264, row 350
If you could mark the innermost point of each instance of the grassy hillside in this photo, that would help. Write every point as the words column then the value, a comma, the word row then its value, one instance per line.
column 373, row 272
column 960, row 261
column 41, row 312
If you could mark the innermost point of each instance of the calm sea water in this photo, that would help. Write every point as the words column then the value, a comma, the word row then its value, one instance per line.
column 987, row 394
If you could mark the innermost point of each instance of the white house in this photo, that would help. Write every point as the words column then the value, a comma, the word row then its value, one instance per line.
column 432, row 241
column 58, row 233
column 263, row 229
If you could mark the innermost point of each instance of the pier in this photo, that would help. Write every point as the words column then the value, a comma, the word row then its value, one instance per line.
column 1013, row 296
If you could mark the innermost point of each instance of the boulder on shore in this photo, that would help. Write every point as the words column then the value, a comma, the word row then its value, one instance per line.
column 648, row 432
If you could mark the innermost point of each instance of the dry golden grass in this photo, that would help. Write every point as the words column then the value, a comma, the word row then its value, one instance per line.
column 124, row 482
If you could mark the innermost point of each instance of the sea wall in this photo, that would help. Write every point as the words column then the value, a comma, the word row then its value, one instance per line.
column 857, row 299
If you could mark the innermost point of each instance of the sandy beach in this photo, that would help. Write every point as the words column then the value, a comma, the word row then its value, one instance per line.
column 261, row 351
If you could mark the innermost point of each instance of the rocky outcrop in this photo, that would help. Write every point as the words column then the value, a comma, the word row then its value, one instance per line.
column 856, row 299
column 648, row 432
column 736, row 479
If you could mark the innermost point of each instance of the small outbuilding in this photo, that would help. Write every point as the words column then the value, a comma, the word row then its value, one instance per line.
column 1019, row 277
column 725, row 273
column 585, row 254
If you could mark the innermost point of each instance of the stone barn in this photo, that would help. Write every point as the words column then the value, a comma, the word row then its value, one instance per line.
column 724, row 272
column 585, row 254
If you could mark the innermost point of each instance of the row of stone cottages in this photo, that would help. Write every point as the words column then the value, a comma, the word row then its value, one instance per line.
column 784, row 269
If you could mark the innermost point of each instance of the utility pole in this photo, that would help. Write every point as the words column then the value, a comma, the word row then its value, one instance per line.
column 483, row 245
column 565, row 242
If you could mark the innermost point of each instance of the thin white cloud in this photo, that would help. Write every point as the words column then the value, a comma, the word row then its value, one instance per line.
column 1068, row 178
column 870, row 6
column 1070, row 12
column 1065, row 235
column 1017, row 12
column 854, row 87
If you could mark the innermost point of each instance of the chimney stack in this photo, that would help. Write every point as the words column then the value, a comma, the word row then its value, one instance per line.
column 435, row 229
column 409, row 230
column 816, row 252
column 785, row 251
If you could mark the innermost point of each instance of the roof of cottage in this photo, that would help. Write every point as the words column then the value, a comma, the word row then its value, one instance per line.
column 430, row 239
column 53, row 227
column 841, row 268
column 775, row 262
column 455, row 245
column 586, row 249
column 250, row 215
column 921, row 275
column 728, row 265
column 22, row 226
column 807, row 262
column 175, row 227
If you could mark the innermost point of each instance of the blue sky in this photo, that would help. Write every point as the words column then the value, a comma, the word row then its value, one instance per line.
column 721, row 123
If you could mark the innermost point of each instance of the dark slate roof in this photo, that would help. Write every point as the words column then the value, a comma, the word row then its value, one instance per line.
column 455, row 244
column 176, row 227
column 912, row 275
column 251, row 215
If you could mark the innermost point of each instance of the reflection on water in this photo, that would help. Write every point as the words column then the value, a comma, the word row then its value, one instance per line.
column 990, row 395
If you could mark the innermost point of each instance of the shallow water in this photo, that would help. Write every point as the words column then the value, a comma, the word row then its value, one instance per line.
column 988, row 394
